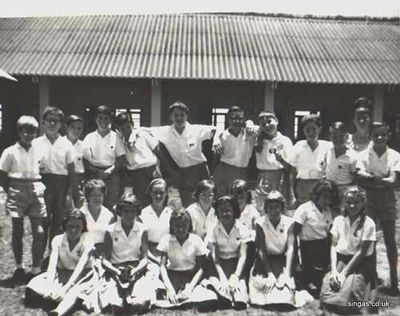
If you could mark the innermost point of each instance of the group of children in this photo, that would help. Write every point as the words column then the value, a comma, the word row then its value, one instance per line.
column 117, row 239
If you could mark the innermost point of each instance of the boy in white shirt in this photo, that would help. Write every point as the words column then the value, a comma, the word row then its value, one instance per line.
column 377, row 168
column 99, row 153
column 237, row 145
column 20, row 178
column 57, row 169
column 136, row 151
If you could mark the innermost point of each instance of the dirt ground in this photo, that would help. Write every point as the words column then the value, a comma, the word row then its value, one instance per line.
column 11, row 298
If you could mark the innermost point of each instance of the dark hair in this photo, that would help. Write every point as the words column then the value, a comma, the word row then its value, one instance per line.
column 239, row 186
column 178, row 105
column 53, row 110
column 227, row 199
column 322, row 186
column 202, row 186
column 104, row 109
column 340, row 126
column 377, row 124
column 179, row 215
column 364, row 103
column 151, row 186
column 94, row 184
column 312, row 118
column 128, row 199
column 234, row 109
column 363, row 196
column 122, row 118
column 73, row 118
column 275, row 196
column 75, row 214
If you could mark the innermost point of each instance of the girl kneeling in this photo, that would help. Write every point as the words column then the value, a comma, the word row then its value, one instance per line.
column 68, row 264
column 228, row 242
column 353, row 267
column 271, row 280
column 185, row 253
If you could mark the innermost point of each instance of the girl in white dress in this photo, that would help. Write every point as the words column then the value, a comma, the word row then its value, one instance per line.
column 69, row 263
column 228, row 240
column 182, row 261
column 271, row 279
column 352, row 280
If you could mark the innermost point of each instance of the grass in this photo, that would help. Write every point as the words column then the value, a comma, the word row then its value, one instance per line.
column 11, row 299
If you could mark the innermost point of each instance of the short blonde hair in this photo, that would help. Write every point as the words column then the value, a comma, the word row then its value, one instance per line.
column 27, row 121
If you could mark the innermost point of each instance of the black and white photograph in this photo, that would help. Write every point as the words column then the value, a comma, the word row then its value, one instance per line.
column 174, row 157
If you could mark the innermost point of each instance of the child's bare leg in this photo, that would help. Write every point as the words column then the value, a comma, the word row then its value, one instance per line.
column 38, row 241
column 389, row 231
column 17, row 235
column 66, row 304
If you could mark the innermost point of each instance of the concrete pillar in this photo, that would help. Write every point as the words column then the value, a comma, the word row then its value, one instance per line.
column 269, row 96
column 44, row 97
column 155, row 109
column 379, row 101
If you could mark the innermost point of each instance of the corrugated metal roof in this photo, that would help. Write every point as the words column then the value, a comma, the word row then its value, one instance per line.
column 203, row 46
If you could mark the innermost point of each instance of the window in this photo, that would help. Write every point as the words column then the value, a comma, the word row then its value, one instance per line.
column 136, row 115
column 298, row 115
column 218, row 118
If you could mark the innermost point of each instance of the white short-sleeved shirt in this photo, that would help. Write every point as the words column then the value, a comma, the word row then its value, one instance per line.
column 237, row 149
column 249, row 215
column 370, row 162
column 315, row 225
column 56, row 156
column 340, row 170
column 78, row 146
column 201, row 222
column 138, row 150
column 182, row 257
column 228, row 245
column 308, row 163
column 97, row 229
column 21, row 164
column 266, row 159
column 126, row 248
column 100, row 151
column 275, row 238
column 157, row 226
column 355, row 146
column 184, row 148
column 348, row 239
column 68, row 259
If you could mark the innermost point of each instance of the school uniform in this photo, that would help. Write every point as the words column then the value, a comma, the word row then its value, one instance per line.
column 271, row 169
column 157, row 226
column 340, row 169
column 182, row 266
column 357, row 147
column 78, row 195
column 249, row 215
column 101, row 153
column 234, row 161
column 25, row 192
column 314, row 242
column 381, row 199
column 186, row 150
column 363, row 277
column 275, row 239
column 228, row 247
column 142, row 162
column 66, row 264
column 200, row 221
column 54, row 169
column 97, row 228
column 310, row 166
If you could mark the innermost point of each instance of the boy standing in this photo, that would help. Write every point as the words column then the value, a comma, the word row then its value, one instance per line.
column 377, row 167
column 237, row 146
column 99, row 153
column 57, row 169
column 20, row 178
